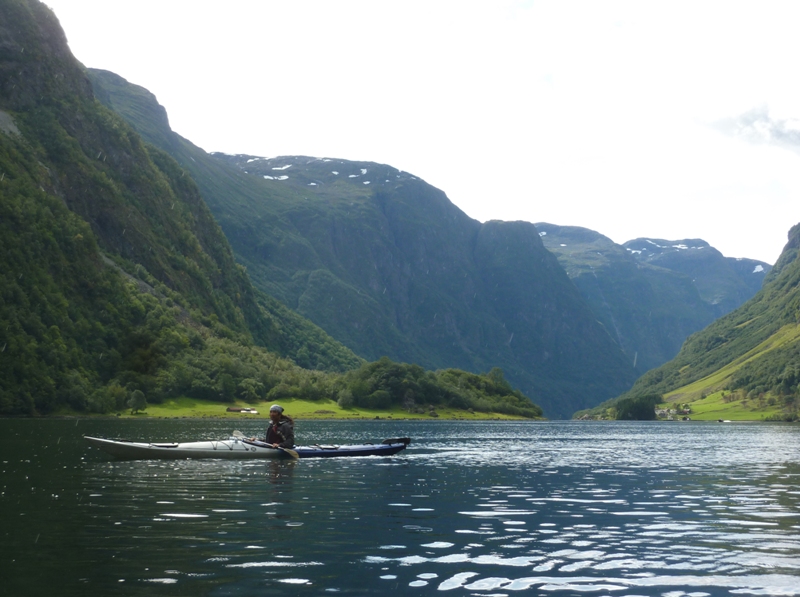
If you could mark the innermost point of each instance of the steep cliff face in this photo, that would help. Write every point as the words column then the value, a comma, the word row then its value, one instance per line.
column 112, row 265
column 789, row 255
column 136, row 201
column 36, row 66
column 447, row 290
column 386, row 264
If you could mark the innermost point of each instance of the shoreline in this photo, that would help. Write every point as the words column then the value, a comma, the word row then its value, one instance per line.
column 301, row 410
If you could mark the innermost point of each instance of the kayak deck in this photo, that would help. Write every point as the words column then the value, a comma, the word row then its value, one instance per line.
column 237, row 448
column 359, row 450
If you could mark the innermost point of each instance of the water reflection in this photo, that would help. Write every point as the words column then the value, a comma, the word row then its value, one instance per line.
column 564, row 508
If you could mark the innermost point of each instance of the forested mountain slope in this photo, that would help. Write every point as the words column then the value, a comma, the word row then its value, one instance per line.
column 652, row 299
column 114, row 274
column 386, row 264
column 751, row 355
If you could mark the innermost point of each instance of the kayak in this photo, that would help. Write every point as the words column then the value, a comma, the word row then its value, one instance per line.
column 238, row 448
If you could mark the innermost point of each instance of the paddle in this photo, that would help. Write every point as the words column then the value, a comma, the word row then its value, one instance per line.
column 239, row 435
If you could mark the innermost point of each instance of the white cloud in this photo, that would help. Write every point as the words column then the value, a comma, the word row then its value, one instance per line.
column 759, row 126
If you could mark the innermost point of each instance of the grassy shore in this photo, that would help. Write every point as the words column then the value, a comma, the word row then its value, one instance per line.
column 714, row 407
column 299, row 409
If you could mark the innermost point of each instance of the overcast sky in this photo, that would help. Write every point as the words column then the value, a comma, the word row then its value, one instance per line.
column 664, row 119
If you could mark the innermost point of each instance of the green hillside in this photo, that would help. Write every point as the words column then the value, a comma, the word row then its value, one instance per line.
column 297, row 338
column 112, row 263
column 744, row 365
column 387, row 265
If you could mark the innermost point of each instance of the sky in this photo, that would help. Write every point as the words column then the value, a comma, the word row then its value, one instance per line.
column 671, row 120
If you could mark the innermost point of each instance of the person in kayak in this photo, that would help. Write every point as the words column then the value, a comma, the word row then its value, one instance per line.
column 280, row 433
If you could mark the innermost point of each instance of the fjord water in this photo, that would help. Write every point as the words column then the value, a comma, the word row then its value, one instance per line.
column 471, row 508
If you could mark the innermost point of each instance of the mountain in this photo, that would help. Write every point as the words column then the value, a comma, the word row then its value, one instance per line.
column 649, row 310
column 387, row 265
column 747, row 359
column 724, row 283
column 115, row 276
column 652, row 299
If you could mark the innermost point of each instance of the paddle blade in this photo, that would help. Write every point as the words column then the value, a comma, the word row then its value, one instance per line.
column 397, row 440
column 290, row 452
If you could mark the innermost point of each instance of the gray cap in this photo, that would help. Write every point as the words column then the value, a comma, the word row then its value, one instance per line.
column 276, row 407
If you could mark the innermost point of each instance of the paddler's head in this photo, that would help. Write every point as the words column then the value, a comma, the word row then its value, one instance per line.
column 275, row 412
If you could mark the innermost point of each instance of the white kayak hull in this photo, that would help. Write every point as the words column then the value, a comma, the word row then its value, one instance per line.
column 232, row 448
column 236, row 448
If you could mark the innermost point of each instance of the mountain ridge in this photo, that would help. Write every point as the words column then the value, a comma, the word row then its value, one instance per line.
column 117, row 276
column 118, row 287
column 394, row 268
column 735, row 281
column 650, row 304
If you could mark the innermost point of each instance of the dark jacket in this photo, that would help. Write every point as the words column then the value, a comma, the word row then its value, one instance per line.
column 282, row 433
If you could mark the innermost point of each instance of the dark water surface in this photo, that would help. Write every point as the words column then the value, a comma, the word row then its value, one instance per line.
column 478, row 509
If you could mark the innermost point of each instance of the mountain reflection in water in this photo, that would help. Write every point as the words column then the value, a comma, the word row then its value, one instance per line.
column 470, row 508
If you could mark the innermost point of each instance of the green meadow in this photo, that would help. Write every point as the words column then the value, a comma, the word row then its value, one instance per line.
column 298, row 409
column 715, row 407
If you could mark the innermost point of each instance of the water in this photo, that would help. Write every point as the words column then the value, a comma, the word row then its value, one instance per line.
column 469, row 509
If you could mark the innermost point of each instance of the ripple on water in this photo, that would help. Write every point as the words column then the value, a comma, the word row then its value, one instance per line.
column 294, row 581
column 161, row 581
column 274, row 564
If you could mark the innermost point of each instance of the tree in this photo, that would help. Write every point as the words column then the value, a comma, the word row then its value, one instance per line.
column 639, row 408
column 137, row 402
column 346, row 399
